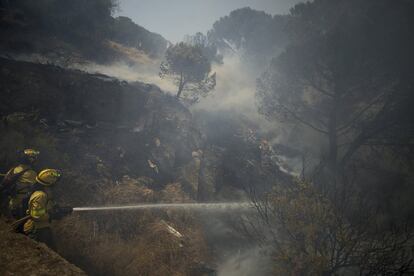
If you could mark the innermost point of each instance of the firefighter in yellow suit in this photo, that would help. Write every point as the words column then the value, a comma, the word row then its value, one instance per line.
column 42, row 209
column 17, row 185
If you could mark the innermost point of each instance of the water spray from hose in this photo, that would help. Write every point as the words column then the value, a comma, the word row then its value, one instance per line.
column 193, row 206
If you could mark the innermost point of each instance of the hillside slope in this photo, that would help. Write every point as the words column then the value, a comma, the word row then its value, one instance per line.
column 20, row 255
column 81, row 32
column 128, row 143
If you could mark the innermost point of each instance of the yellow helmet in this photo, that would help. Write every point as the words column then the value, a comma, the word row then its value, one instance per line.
column 48, row 177
column 29, row 155
column 31, row 152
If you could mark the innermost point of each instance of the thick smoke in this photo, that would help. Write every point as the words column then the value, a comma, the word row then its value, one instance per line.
column 235, row 89
column 236, row 255
column 141, row 69
column 249, row 262
column 143, row 72
column 235, row 93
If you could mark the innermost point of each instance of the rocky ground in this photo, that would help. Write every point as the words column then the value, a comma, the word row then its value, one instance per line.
column 20, row 255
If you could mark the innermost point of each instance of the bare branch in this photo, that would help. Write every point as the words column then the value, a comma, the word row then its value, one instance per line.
column 296, row 117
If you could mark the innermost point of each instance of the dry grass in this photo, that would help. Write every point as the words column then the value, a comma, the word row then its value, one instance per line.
column 133, row 54
column 133, row 242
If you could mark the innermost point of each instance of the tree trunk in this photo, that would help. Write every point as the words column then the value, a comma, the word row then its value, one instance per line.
column 181, row 85
column 180, row 90
column 333, row 136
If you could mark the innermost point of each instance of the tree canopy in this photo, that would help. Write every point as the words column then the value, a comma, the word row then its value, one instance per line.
column 256, row 34
column 190, row 70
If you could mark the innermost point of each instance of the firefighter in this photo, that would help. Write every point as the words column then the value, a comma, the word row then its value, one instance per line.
column 42, row 209
column 17, row 185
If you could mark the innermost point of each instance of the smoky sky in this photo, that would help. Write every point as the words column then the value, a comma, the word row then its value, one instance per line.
column 175, row 18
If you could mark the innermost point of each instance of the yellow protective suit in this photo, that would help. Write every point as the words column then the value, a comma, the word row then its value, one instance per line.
column 23, row 189
column 28, row 177
column 39, row 206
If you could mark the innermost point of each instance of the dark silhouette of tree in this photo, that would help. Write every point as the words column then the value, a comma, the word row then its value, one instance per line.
column 189, row 69
column 256, row 34
column 345, row 75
